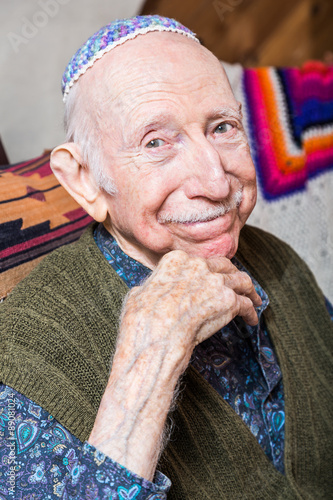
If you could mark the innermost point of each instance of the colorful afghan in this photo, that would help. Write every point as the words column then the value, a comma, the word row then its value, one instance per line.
column 290, row 125
column 112, row 35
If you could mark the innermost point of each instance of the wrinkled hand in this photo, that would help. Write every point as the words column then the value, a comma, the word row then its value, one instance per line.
column 185, row 301
column 188, row 299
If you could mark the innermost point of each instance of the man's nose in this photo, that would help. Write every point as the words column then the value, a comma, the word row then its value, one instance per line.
column 206, row 172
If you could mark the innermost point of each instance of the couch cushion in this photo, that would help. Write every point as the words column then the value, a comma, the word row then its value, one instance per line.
column 37, row 215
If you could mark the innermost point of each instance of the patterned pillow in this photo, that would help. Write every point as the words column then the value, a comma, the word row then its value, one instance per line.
column 37, row 215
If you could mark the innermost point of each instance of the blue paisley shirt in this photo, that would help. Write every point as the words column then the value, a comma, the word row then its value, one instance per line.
column 41, row 460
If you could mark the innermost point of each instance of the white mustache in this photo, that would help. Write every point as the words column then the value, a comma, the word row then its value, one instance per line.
column 209, row 213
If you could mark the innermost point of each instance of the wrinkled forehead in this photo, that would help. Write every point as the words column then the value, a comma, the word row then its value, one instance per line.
column 163, row 79
column 158, row 66
column 110, row 37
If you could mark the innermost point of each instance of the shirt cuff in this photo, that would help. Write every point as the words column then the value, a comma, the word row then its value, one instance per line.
column 124, row 481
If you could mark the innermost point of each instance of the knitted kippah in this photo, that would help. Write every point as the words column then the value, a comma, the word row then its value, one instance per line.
column 112, row 35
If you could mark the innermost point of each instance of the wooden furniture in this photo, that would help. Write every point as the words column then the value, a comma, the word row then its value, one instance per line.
column 256, row 32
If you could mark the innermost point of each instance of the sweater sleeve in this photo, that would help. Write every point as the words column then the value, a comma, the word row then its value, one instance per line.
column 41, row 459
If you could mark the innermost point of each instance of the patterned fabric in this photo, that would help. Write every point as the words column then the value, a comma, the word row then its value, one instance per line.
column 112, row 35
column 37, row 215
column 238, row 361
column 41, row 460
column 290, row 125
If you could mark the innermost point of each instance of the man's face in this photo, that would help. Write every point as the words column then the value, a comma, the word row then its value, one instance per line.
column 174, row 145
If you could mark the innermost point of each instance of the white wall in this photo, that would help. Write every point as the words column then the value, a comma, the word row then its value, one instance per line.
column 37, row 39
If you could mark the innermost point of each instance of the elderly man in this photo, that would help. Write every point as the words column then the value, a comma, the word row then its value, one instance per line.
column 157, row 154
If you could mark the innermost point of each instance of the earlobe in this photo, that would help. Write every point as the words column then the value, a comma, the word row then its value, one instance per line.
column 66, row 163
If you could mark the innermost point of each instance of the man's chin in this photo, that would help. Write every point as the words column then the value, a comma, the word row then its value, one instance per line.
column 219, row 244
column 226, row 247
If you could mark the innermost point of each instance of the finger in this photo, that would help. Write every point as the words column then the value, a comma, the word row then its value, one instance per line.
column 246, row 310
column 242, row 284
column 231, row 305
column 243, row 307
column 221, row 265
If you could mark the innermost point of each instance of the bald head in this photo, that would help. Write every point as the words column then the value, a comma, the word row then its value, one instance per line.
column 150, row 60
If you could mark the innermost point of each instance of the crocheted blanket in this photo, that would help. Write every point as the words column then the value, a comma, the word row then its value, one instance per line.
column 288, row 116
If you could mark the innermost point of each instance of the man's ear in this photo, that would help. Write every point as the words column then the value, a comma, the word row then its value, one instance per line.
column 66, row 163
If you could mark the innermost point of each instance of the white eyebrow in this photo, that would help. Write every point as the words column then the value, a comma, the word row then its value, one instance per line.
column 164, row 120
column 227, row 112
column 159, row 120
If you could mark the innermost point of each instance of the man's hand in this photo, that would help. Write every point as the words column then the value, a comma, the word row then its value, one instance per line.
column 185, row 301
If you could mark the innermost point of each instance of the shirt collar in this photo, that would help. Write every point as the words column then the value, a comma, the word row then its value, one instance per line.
column 132, row 272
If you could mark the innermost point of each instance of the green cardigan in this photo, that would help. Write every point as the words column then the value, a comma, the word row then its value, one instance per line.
column 58, row 333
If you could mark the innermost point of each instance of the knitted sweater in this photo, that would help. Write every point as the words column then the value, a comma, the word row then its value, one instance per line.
column 59, row 329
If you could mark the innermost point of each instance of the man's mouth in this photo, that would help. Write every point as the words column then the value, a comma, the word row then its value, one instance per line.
column 206, row 215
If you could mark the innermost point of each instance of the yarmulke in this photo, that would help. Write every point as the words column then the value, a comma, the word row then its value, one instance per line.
column 112, row 35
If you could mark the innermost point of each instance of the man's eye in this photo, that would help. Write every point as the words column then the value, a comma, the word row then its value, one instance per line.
column 224, row 127
column 155, row 143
